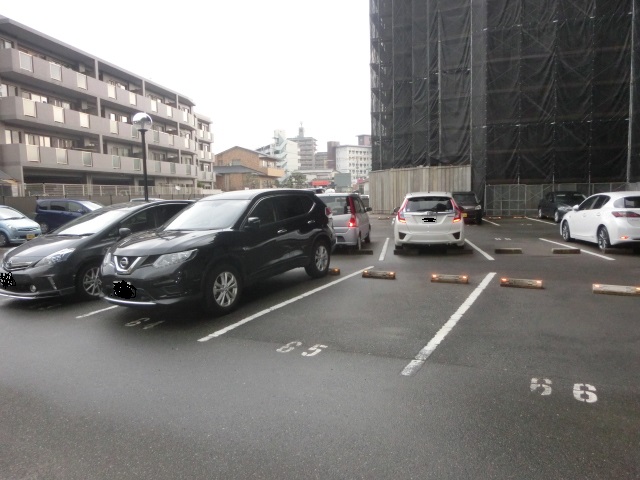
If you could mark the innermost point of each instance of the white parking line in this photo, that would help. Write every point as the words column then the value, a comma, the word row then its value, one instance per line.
column 384, row 250
column 276, row 307
column 489, row 221
column 415, row 364
column 542, row 221
column 97, row 311
column 583, row 251
column 486, row 255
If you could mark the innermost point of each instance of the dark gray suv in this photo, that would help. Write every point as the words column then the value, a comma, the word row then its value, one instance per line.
column 213, row 249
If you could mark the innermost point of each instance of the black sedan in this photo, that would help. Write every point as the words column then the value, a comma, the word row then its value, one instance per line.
column 219, row 245
column 67, row 261
column 556, row 204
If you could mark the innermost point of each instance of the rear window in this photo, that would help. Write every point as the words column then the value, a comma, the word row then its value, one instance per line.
column 429, row 204
column 627, row 202
column 339, row 204
column 465, row 197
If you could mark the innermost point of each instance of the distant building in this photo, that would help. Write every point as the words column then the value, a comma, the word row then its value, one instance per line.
column 285, row 150
column 65, row 117
column 321, row 160
column 364, row 140
column 331, row 154
column 239, row 168
column 307, row 148
column 354, row 159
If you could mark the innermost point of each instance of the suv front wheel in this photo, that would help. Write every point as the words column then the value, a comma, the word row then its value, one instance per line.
column 223, row 289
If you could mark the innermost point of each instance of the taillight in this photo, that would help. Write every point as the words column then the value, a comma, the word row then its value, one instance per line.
column 458, row 215
column 353, row 222
column 328, row 212
column 625, row 214
column 400, row 216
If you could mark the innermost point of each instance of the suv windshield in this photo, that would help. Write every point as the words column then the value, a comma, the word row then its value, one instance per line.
column 91, row 222
column 209, row 215
column 572, row 198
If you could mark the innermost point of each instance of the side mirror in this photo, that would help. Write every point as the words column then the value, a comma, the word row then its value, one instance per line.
column 124, row 232
column 253, row 223
column 368, row 209
column 576, row 208
column 396, row 210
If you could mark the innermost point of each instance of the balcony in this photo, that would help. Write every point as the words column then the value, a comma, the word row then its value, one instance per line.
column 32, row 156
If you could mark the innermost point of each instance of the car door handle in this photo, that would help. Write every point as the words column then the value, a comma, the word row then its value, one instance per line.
column 280, row 232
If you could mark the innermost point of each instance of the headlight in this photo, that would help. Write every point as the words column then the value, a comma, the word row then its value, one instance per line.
column 174, row 258
column 107, row 259
column 57, row 257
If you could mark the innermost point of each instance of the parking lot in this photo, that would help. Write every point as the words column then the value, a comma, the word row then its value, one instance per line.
column 514, row 365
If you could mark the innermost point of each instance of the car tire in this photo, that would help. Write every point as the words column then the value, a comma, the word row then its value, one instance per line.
column 88, row 283
column 540, row 215
column 44, row 227
column 320, row 259
column 603, row 239
column 566, row 232
column 556, row 216
column 367, row 239
column 4, row 240
column 223, row 289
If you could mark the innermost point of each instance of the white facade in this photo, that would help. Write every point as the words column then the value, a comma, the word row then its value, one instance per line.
column 285, row 150
column 355, row 159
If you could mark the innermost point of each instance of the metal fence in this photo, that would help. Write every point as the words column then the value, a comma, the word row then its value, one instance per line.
column 522, row 200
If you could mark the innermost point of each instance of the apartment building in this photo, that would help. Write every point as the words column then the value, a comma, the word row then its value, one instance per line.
column 307, row 150
column 354, row 159
column 66, row 118
column 285, row 150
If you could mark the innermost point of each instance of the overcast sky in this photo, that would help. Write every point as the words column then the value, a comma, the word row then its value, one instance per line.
column 252, row 66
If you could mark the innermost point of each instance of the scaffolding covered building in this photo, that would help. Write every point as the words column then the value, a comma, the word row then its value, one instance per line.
column 526, row 91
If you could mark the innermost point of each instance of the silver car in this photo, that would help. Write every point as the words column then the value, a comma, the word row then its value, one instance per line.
column 350, row 218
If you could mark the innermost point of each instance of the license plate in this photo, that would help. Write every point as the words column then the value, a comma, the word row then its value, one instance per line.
column 30, row 236
column 464, row 215
column 429, row 219
column 124, row 289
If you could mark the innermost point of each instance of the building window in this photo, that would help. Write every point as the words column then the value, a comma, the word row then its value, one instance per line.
column 7, row 90
column 136, row 164
column 113, row 126
column 58, row 114
column 173, row 167
column 111, row 91
column 12, row 136
column 61, row 156
column 169, row 111
column 55, row 71
column 33, row 153
column 87, row 159
column 26, row 61
column 154, row 105
column 156, row 136
column 84, row 120
column 115, row 161
column 133, row 98
column 82, row 81
column 4, row 43
column 29, row 107
column 158, row 167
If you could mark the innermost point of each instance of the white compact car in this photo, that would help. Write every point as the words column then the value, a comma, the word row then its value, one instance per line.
column 428, row 218
column 608, row 219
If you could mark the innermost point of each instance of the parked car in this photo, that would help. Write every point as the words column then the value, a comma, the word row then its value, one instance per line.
column 212, row 250
column 67, row 261
column 607, row 219
column 141, row 199
column 54, row 212
column 556, row 204
column 15, row 227
column 470, row 206
column 350, row 218
column 428, row 218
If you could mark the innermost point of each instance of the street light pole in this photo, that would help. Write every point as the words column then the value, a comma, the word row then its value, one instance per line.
column 143, row 121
